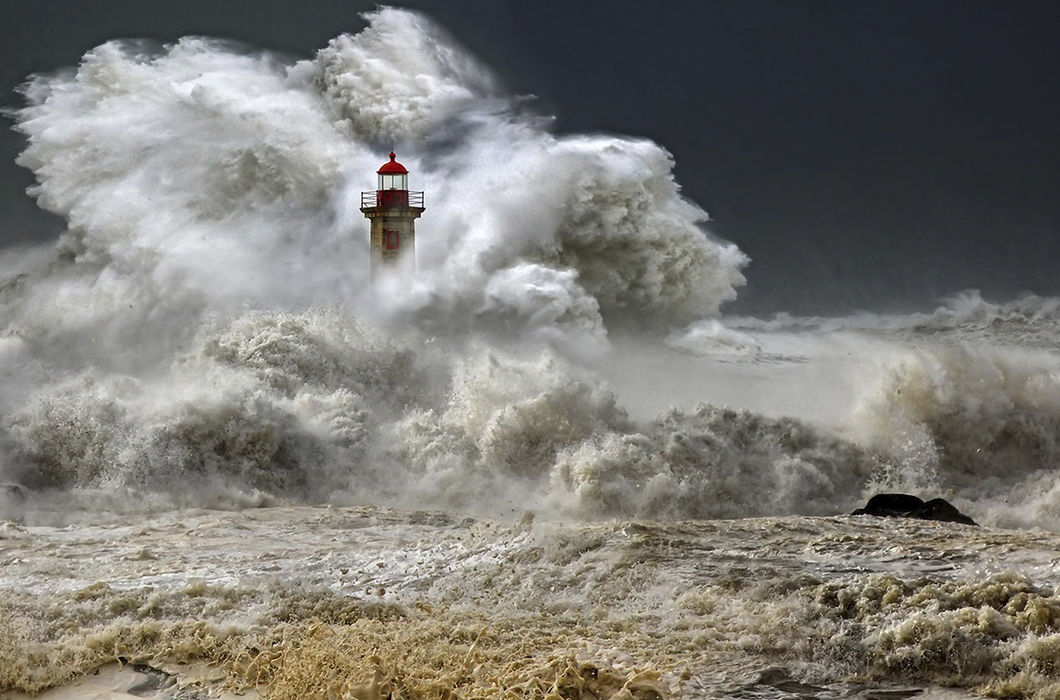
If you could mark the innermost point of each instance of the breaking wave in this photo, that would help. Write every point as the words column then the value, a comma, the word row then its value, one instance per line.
column 205, row 328
column 978, row 422
column 202, row 176
column 312, row 406
column 199, row 178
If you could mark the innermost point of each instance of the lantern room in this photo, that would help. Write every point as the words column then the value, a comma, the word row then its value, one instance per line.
column 392, row 188
column 393, row 175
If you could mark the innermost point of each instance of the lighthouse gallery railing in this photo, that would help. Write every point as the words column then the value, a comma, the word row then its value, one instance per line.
column 392, row 198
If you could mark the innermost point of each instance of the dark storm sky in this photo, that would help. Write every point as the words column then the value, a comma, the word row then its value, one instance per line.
column 864, row 154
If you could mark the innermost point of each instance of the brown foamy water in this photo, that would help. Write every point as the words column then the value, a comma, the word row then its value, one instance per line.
column 370, row 602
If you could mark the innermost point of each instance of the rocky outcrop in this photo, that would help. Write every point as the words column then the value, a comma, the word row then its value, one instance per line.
column 903, row 505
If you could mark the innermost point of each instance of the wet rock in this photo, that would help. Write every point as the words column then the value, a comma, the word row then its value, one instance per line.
column 904, row 505
column 894, row 505
column 939, row 509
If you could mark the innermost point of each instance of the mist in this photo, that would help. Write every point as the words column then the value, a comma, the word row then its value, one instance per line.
column 205, row 331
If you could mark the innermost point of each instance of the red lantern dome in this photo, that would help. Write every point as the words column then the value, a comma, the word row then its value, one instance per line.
column 393, row 167
column 393, row 176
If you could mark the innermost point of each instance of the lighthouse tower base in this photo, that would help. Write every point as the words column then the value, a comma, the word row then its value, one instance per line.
column 392, row 239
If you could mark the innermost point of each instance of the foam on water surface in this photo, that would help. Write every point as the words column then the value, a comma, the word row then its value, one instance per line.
column 204, row 334
column 664, row 608
column 201, row 362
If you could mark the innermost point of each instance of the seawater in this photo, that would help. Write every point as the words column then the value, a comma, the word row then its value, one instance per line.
column 545, row 467
column 300, row 601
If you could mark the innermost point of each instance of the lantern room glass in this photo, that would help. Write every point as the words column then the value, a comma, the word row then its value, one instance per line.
column 393, row 182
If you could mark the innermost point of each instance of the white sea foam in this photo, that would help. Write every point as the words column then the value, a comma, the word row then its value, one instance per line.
column 205, row 329
column 199, row 177
column 205, row 336
column 980, row 422
column 199, row 174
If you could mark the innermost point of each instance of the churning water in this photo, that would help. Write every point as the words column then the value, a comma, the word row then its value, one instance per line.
column 546, row 467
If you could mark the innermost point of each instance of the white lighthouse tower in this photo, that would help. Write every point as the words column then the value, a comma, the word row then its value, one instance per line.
column 392, row 210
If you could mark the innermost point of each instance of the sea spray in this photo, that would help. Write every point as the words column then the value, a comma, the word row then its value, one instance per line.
column 979, row 422
column 207, row 311
column 195, row 170
column 632, row 498
column 311, row 406
column 209, row 194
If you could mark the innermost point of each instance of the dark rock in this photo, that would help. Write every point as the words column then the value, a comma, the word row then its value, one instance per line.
column 895, row 505
column 938, row 509
column 903, row 505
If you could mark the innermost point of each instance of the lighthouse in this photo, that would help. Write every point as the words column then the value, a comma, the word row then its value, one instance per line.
column 392, row 210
